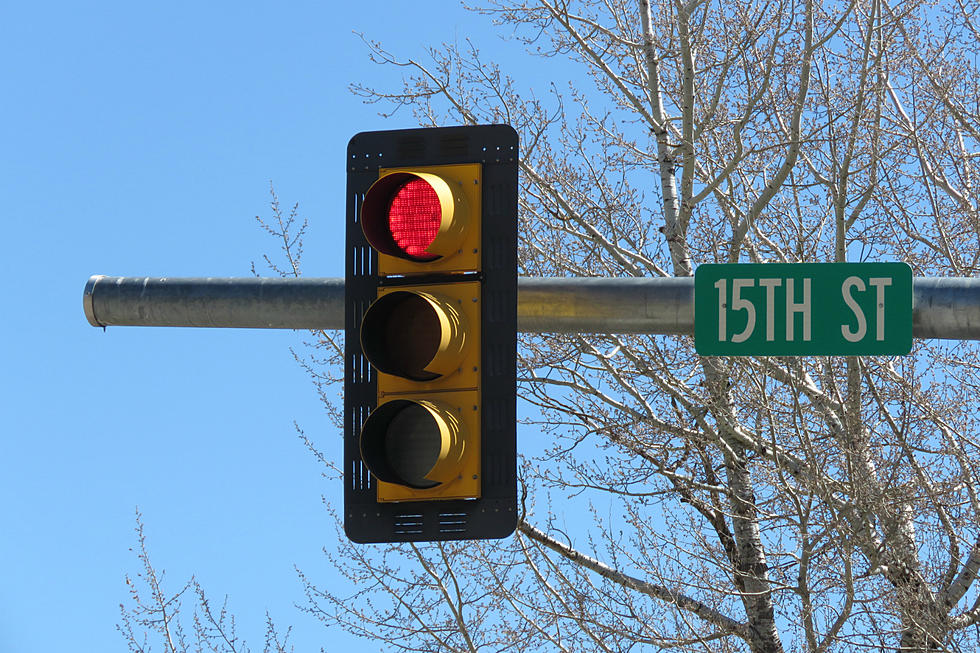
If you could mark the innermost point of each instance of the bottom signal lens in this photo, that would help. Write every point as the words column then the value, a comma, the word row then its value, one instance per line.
column 414, row 443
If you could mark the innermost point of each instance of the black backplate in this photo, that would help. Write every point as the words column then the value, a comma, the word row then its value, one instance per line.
column 494, row 515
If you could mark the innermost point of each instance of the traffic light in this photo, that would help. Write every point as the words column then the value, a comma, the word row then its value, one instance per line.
column 431, row 334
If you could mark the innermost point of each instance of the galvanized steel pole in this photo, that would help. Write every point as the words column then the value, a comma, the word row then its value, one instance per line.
column 249, row 302
column 947, row 308
column 662, row 306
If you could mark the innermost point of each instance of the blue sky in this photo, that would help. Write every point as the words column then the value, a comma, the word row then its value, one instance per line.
column 140, row 140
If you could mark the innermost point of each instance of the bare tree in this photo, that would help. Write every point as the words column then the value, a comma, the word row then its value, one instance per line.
column 156, row 615
column 759, row 504
column 714, row 504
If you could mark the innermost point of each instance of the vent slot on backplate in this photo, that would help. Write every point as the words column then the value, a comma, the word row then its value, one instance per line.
column 452, row 522
column 408, row 524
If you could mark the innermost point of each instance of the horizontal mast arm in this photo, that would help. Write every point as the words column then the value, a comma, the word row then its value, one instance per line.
column 947, row 308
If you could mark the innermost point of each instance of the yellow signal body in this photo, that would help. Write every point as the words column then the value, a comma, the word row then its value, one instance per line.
column 422, row 442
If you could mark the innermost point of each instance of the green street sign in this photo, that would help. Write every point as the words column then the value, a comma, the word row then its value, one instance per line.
column 803, row 309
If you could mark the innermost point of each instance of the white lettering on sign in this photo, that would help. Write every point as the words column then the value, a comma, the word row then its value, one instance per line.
column 880, row 283
column 850, row 283
column 853, row 335
column 770, row 285
column 793, row 307
column 740, row 303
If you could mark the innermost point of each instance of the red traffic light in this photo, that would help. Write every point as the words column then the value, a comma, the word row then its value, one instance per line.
column 416, row 216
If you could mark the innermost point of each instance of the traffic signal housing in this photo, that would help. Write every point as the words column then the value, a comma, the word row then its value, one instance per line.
column 431, row 334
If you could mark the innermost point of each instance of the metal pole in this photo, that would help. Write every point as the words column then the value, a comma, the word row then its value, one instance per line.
column 662, row 306
column 249, row 303
column 947, row 308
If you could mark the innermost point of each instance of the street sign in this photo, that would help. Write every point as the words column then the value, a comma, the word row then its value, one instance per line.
column 803, row 309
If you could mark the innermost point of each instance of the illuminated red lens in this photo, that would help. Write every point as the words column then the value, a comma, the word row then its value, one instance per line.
column 414, row 217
